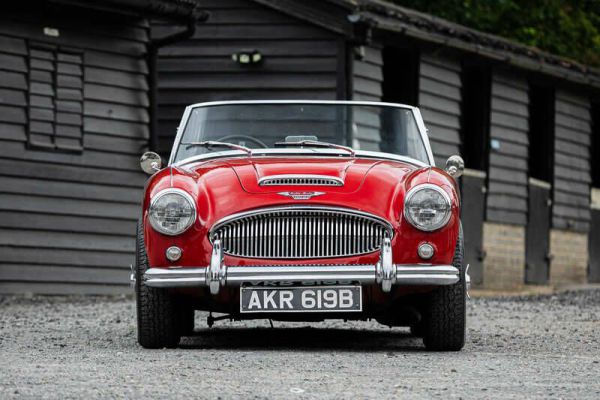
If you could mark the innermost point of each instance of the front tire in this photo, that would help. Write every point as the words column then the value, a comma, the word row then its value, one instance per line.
column 417, row 330
column 444, row 325
column 186, row 322
column 158, row 319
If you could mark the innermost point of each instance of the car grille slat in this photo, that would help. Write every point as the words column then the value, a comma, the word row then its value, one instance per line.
column 301, row 233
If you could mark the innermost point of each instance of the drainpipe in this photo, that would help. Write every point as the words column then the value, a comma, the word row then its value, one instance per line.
column 153, row 48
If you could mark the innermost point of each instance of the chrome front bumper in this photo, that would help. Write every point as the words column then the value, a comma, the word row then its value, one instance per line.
column 384, row 273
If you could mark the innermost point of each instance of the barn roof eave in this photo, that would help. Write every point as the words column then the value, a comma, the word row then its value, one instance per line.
column 383, row 15
column 181, row 11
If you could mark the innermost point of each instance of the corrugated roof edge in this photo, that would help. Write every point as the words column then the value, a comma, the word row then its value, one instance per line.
column 178, row 10
column 381, row 14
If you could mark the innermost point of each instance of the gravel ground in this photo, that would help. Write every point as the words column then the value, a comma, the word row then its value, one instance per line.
column 74, row 347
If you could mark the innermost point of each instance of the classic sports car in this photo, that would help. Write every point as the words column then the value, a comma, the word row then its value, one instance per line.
column 263, row 212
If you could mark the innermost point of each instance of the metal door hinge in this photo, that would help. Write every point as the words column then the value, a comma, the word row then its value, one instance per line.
column 482, row 254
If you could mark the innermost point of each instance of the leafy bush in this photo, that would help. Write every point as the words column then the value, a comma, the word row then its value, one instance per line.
column 568, row 28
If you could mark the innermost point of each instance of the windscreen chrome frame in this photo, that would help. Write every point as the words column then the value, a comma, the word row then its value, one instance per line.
column 369, row 154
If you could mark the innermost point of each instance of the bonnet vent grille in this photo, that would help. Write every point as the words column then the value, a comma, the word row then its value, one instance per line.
column 300, row 180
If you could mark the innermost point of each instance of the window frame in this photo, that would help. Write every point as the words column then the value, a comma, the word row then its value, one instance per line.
column 55, row 101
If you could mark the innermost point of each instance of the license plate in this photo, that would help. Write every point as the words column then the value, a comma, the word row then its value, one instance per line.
column 301, row 299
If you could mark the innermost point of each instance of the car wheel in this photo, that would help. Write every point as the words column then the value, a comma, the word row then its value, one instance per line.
column 159, row 322
column 445, row 315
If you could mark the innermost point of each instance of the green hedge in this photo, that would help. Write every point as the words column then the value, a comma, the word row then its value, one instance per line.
column 567, row 28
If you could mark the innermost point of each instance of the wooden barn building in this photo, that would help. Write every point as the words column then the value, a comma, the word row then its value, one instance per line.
column 526, row 122
column 74, row 119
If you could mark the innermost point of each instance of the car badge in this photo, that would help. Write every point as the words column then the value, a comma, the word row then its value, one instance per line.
column 301, row 195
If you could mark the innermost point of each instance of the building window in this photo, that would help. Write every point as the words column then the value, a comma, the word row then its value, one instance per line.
column 541, row 132
column 55, row 97
column 475, row 115
column 400, row 85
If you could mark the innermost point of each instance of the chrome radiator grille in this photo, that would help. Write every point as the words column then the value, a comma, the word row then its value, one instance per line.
column 304, row 232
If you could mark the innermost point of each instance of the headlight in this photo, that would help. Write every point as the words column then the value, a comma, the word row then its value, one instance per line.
column 427, row 207
column 172, row 211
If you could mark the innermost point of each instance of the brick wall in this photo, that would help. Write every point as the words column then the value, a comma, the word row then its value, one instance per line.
column 570, row 257
column 504, row 264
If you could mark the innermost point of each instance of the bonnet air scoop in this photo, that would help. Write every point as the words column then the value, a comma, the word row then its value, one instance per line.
column 300, row 180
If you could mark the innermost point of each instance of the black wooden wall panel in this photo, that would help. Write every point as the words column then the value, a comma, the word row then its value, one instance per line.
column 571, row 194
column 439, row 101
column 509, row 126
column 67, row 220
column 300, row 61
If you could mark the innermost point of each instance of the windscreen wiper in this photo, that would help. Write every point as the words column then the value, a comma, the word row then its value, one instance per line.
column 316, row 143
column 211, row 143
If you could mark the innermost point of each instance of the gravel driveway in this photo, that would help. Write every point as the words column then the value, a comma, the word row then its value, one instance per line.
column 67, row 347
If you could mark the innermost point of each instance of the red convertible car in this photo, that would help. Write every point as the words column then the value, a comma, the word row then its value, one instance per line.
column 269, row 209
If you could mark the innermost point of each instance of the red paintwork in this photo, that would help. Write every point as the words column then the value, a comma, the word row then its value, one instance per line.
column 222, row 187
column 226, row 186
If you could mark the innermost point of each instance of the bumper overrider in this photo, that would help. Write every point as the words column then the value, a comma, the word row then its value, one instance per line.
column 384, row 273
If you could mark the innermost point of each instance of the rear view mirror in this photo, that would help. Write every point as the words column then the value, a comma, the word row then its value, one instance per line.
column 150, row 162
column 455, row 166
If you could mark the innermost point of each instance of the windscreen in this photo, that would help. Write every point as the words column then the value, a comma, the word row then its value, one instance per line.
column 262, row 125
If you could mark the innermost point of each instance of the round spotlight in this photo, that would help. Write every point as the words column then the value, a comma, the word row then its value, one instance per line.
column 173, row 253
column 425, row 251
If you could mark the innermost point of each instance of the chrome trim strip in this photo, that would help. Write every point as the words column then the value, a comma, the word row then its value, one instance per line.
column 347, row 102
column 358, row 273
column 384, row 270
column 256, row 153
column 335, row 180
column 424, row 134
column 215, row 275
column 181, row 277
column 416, row 113
column 406, row 274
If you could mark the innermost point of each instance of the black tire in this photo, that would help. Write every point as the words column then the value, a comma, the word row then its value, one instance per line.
column 416, row 330
column 159, row 322
column 186, row 322
column 444, row 324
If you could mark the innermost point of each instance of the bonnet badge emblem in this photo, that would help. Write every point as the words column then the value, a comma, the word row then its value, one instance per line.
column 301, row 195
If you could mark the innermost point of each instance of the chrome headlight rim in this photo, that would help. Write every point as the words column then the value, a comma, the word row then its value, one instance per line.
column 418, row 188
column 188, row 197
